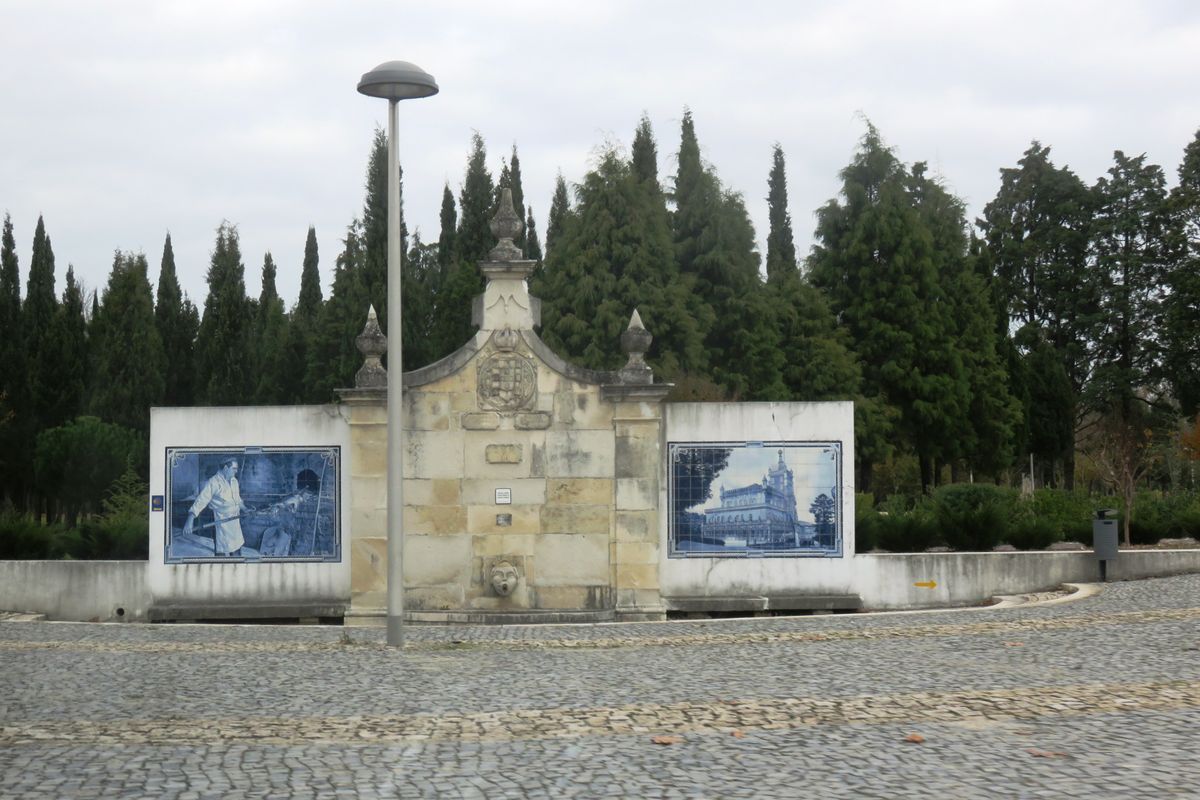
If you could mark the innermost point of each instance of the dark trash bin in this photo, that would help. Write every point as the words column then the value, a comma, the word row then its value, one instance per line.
column 1104, row 538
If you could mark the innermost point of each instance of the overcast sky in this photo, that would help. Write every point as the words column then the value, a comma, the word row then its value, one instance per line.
column 125, row 120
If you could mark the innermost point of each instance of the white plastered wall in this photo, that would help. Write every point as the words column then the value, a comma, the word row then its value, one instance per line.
column 695, row 576
column 260, row 584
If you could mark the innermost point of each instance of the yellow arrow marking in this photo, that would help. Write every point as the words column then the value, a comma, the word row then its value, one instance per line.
column 926, row 584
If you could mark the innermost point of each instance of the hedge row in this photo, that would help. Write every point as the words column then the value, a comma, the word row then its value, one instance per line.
column 981, row 516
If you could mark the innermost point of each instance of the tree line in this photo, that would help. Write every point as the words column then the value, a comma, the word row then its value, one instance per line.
column 1061, row 322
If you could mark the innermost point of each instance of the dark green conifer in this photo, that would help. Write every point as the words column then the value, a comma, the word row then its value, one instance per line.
column 174, row 317
column 645, row 152
column 560, row 209
column 1182, row 306
column 270, row 337
column 223, row 349
column 128, row 359
column 67, row 357
column 781, row 247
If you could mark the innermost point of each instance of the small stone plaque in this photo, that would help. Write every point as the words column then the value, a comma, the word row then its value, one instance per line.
column 504, row 497
column 503, row 453
column 503, row 520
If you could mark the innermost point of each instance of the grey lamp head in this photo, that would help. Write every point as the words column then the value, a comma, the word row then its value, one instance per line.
column 398, row 80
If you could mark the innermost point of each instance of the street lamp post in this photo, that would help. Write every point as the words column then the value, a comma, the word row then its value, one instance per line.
column 395, row 81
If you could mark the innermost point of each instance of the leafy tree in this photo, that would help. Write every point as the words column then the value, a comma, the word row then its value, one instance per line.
column 1036, row 232
column 419, row 314
column 1182, row 307
column 222, row 345
column 874, row 259
column 178, row 322
column 78, row 462
column 1129, row 235
column 270, row 337
column 615, row 255
column 128, row 359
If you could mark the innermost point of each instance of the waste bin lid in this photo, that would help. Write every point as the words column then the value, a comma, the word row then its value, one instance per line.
column 1102, row 513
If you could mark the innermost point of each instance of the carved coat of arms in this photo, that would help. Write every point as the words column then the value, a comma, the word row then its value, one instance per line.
column 507, row 382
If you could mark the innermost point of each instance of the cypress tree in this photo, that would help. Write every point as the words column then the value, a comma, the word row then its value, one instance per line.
column 128, row 355
column 472, row 242
column 533, row 247
column 270, row 337
column 302, row 327
column 510, row 178
column 175, row 319
column 223, row 345
column 475, row 202
column 447, row 253
column 645, row 152
column 560, row 209
column 13, row 408
column 333, row 358
column 374, row 230
column 37, row 315
column 419, row 317
column 714, row 244
column 10, row 310
column 66, row 356
column 781, row 247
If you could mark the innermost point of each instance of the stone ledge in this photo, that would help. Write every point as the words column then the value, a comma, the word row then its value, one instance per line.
column 195, row 611
column 810, row 602
column 522, row 617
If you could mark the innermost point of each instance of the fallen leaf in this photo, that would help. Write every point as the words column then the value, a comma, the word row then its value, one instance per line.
column 1036, row 753
column 666, row 739
column 915, row 738
column 1014, row 644
column 737, row 734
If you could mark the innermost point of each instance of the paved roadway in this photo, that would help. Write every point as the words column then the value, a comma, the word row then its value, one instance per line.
column 1096, row 698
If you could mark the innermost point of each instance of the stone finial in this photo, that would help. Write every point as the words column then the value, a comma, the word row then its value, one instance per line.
column 505, row 226
column 372, row 344
column 635, row 341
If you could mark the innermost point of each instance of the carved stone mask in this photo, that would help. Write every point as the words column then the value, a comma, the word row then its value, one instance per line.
column 504, row 578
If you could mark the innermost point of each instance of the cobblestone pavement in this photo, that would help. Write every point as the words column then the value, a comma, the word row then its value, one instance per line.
column 1097, row 698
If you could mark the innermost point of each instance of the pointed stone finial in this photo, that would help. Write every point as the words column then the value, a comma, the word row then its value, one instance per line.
column 505, row 226
column 372, row 344
column 635, row 341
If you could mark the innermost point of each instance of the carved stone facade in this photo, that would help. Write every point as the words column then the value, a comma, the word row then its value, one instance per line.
column 518, row 464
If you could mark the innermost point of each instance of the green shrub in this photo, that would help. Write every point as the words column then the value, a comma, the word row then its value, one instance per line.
column 866, row 523
column 1028, row 532
column 907, row 525
column 1069, row 512
column 973, row 516
column 26, row 539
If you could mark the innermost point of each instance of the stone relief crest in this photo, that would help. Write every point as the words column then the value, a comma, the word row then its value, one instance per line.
column 507, row 382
